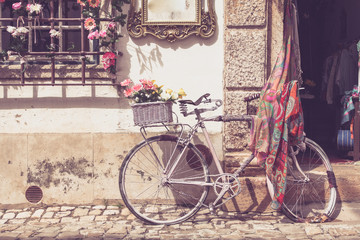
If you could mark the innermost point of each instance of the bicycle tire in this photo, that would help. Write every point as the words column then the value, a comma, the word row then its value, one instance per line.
column 149, row 194
column 310, row 194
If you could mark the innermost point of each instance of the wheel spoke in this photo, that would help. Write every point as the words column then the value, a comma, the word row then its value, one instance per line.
column 148, row 191
column 308, row 194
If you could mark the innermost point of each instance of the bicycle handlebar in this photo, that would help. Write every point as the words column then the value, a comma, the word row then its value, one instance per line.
column 197, row 102
column 203, row 99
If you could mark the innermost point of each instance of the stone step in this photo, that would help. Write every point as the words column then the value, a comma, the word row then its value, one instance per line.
column 254, row 195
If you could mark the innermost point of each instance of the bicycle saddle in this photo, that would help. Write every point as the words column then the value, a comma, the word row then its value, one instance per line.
column 197, row 102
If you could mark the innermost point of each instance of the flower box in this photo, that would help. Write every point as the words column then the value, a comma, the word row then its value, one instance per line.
column 152, row 112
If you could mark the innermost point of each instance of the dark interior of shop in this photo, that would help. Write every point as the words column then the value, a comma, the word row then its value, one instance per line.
column 328, row 33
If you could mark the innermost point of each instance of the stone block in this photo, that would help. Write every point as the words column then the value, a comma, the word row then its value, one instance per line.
column 241, row 13
column 237, row 133
column 79, row 212
column 245, row 58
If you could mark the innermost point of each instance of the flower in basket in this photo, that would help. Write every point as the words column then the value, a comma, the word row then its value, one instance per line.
column 148, row 91
column 18, row 44
column 19, row 8
column 34, row 9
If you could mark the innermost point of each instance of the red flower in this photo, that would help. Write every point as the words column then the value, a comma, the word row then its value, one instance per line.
column 94, row 3
column 90, row 24
column 108, row 59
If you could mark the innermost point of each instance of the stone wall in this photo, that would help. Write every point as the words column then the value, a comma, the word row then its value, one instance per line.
column 253, row 36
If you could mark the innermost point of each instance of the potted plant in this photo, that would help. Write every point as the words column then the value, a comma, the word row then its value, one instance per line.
column 150, row 103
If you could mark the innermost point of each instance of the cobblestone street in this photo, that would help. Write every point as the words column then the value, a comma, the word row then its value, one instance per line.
column 112, row 222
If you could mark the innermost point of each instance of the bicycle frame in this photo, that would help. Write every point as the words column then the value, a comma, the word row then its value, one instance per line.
column 185, row 141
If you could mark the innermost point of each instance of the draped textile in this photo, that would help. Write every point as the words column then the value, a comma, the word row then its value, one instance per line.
column 279, row 120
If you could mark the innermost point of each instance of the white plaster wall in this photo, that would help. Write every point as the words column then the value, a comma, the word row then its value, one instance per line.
column 194, row 64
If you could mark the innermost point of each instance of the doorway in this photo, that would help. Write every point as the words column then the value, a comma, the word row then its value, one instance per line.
column 328, row 35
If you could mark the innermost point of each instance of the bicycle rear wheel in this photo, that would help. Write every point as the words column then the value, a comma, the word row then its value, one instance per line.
column 310, row 194
column 153, row 195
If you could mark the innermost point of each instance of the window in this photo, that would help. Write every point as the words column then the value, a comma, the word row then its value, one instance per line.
column 69, row 46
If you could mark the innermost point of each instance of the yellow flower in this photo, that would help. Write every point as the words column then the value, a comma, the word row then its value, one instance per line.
column 181, row 93
column 169, row 91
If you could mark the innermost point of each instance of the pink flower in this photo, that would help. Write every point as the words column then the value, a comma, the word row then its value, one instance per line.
column 102, row 34
column 110, row 55
column 111, row 25
column 28, row 7
column 1, row 1
column 137, row 87
column 126, row 82
column 108, row 59
column 128, row 92
column 94, row 35
column 147, row 84
column 90, row 24
column 16, row 6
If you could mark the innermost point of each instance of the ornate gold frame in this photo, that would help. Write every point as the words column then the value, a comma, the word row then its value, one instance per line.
column 204, row 26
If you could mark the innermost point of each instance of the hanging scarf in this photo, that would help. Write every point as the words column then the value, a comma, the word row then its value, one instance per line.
column 279, row 120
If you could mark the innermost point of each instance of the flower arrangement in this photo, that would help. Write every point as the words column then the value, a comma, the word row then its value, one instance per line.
column 34, row 9
column 22, row 9
column 19, row 34
column 148, row 91
column 107, row 36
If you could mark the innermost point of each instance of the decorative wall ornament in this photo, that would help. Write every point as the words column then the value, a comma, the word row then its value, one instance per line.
column 171, row 19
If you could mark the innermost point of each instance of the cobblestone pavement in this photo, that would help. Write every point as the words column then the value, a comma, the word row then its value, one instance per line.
column 112, row 222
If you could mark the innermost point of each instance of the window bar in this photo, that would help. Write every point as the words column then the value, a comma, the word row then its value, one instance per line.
column 1, row 30
column 61, row 38
column 82, row 47
column 52, row 44
column 22, row 61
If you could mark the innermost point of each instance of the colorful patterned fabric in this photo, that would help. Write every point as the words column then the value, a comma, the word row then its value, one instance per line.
column 348, row 105
column 279, row 120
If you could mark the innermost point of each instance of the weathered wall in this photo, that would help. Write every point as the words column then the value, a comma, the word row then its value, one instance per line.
column 81, row 168
column 67, row 139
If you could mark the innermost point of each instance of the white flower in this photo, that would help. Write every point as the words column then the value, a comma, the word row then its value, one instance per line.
column 19, row 31
column 54, row 33
column 35, row 8
column 22, row 30
column 165, row 96
column 11, row 29
column 174, row 95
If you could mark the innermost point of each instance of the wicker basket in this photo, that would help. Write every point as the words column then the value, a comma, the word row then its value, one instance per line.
column 152, row 112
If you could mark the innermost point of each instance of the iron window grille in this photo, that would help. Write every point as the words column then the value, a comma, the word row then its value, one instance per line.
column 72, row 47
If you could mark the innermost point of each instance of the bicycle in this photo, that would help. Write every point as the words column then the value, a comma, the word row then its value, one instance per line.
column 165, row 179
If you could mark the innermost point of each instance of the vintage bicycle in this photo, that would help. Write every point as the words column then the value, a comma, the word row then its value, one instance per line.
column 165, row 179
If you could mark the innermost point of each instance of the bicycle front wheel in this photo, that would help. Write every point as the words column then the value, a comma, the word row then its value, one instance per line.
column 163, row 182
column 310, row 194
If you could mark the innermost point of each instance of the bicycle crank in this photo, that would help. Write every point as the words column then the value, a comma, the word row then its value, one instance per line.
column 227, row 186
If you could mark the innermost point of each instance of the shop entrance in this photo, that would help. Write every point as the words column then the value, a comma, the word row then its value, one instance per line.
column 328, row 35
